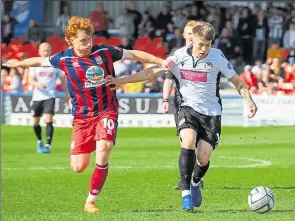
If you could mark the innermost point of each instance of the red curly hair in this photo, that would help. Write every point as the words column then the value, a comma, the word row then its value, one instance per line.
column 76, row 24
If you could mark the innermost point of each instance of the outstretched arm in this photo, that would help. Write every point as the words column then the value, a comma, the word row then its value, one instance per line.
column 29, row 62
column 143, row 75
column 142, row 56
column 243, row 90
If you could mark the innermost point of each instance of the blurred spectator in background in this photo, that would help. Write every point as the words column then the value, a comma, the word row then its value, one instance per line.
column 16, row 80
column 214, row 19
column 125, row 24
column 257, row 68
column 7, row 28
column 147, row 26
column 162, row 20
column 179, row 19
column 263, row 84
column 290, row 74
column 289, row 36
column 290, row 19
column 35, row 33
column 62, row 21
column 125, row 43
column 274, row 51
column 136, row 18
column 277, row 72
column 246, row 29
column 275, row 26
column 169, row 32
column 177, row 41
column 231, row 31
column 12, row 79
column 291, row 55
column 121, row 69
column 229, row 46
column 100, row 21
column 260, row 35
column 153, row 86
column 250, row 78
column 193, row 14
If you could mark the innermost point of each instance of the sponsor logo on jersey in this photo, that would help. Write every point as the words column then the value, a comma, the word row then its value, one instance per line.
column 229, row 65
column 89, row 84
column 95, row 75
column 98, row 60
column 195, row 76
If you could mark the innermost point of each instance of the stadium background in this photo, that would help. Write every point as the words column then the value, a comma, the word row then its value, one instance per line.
column 262, row 51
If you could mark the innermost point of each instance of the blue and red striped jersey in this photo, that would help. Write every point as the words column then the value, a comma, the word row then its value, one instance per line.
column 91, row 97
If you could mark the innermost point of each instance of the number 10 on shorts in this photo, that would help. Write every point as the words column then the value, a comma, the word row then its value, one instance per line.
column 109, row 125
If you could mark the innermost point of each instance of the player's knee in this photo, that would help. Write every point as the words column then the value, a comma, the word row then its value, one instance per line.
column 104, row 146
column 203, row 161
column 188, row 143
column 78, row 167
column 103, row 151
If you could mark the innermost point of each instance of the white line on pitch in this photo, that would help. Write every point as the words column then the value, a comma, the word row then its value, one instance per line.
column 257, row 163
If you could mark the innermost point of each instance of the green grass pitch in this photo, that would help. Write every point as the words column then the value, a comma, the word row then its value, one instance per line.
column 143, row 171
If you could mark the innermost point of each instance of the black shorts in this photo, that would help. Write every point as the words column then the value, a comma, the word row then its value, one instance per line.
column 43, row 107
column 207, row 127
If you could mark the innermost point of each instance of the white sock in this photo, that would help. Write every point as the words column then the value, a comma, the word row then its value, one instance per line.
column 185, row 193
column 91, row 198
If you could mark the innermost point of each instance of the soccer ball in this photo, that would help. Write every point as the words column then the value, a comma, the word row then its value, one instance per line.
column 261, row 199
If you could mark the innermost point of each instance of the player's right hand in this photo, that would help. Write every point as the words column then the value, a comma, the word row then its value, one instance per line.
column 114, row 83
column 165, row 107
column 12, row 63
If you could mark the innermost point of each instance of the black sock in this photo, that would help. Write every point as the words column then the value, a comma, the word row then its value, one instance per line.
column 186, row 167
column 49, row 132
column 38, row 130
column 194, row 158
column 199, row 172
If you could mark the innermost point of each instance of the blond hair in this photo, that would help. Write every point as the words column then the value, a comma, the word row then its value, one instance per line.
column 76, row 24
column 205, row 31
column 192, row 23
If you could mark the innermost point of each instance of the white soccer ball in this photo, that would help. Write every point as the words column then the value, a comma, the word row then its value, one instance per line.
column 261, row 199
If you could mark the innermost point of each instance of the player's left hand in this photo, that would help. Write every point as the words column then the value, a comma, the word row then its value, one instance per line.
column 114, row 83
column 12, row 63
column 252, row 109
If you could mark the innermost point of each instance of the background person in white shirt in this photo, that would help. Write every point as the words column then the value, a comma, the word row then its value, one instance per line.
column 43, row 79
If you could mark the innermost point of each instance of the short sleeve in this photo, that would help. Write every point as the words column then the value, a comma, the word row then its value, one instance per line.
column 54, row 60
column 225, row 67
column 173, row 56
column 116, row 53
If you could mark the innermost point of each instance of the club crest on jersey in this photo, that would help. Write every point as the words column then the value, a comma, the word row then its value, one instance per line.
column 95, row 75
column 208, row 66
column 98, row 60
